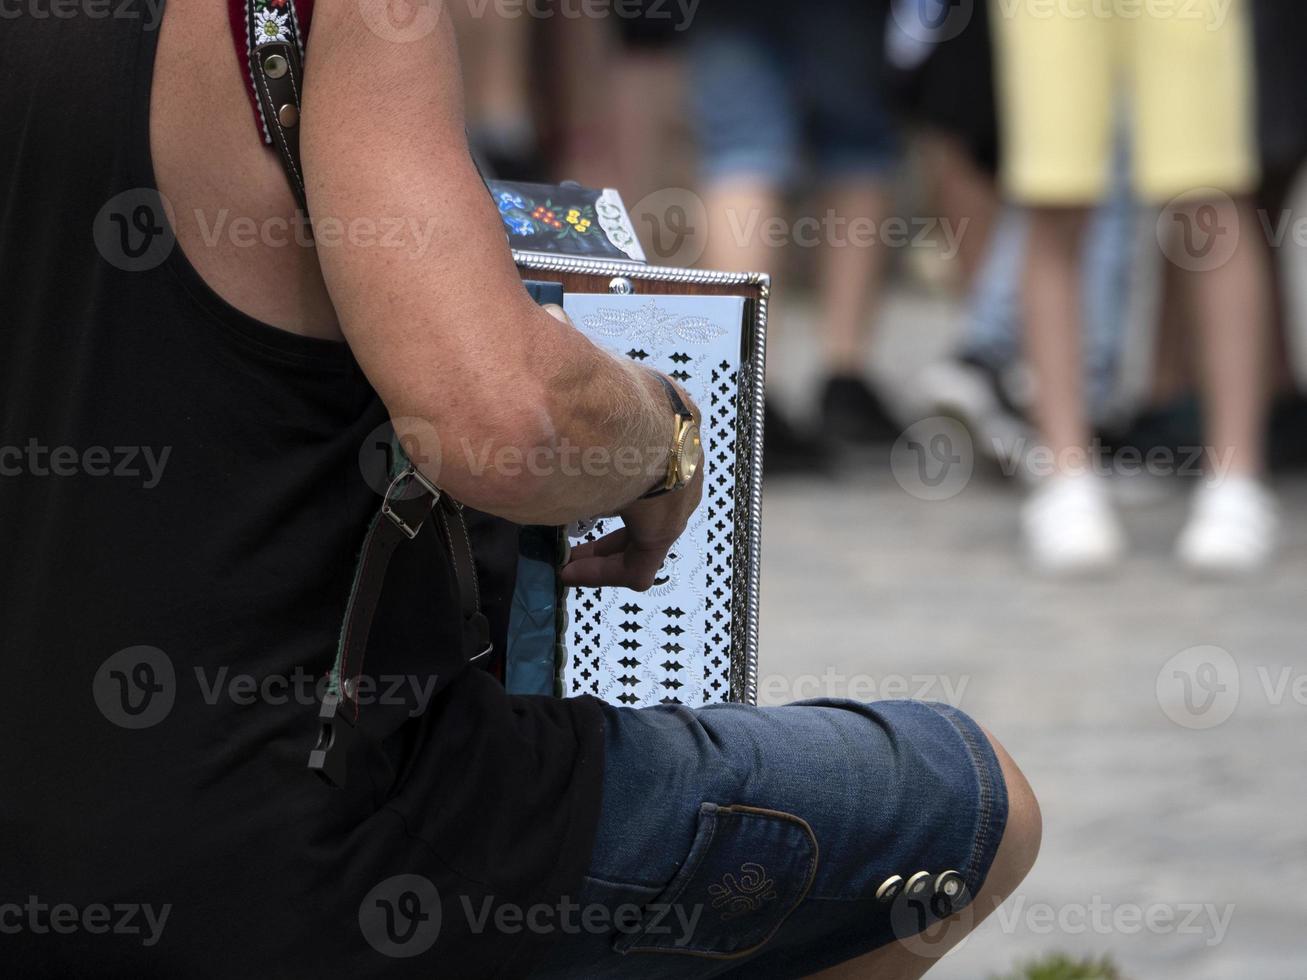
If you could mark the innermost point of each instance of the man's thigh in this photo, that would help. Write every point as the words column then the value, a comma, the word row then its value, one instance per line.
column 759, row 839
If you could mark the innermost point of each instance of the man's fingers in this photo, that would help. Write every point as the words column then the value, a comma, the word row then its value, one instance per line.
column 609, row 544
column 627, row 569
column 593, row 572
column 611, row 571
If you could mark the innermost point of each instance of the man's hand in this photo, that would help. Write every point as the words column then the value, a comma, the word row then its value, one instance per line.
column 631, row 556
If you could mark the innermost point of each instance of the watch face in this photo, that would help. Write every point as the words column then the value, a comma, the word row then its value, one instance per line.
column 691, row 456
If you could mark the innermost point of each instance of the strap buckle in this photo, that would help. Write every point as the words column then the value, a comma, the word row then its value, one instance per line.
column 335, row 735
column 400, row 490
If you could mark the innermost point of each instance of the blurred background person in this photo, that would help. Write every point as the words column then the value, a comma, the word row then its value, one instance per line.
column 1189, row 94
column 775, row 86
column 984, row 382
column 1280, row 34
column 940, row 83
column 653, row 145
column 496, row 55
column 941, row 80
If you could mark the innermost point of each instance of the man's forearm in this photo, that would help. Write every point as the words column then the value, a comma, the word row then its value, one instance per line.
column 601, row 438
column 619, row 414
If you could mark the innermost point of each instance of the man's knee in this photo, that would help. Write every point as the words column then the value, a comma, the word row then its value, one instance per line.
column 1024, row 831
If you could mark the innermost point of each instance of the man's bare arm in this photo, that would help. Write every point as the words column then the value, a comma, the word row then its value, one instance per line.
column 440, row 322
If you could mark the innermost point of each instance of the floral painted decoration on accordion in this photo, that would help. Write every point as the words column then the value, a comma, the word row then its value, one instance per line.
column 566, row 219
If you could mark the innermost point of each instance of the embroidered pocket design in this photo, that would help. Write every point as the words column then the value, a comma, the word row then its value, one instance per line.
column 747, row 870
column 746, row 892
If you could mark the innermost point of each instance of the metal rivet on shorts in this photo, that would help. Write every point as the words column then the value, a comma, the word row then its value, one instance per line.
column 917, row 884
column 288, row 115
column 949, row 884
column 274, row 66
column 889, row 888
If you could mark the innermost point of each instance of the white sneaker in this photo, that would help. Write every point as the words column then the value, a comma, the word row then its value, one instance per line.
column 1070, row 527
column 1231, row 529
column 978, row 397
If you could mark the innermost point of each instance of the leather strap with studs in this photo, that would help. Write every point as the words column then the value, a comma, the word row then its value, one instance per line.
column 277, row 73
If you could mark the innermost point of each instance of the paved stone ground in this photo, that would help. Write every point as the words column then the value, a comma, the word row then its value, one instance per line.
column 1148, row 817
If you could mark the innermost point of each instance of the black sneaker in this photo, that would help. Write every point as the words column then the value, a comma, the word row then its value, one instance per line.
column 786, row 450
column 852, row 413
column 1176, row 426
column 1287, row 433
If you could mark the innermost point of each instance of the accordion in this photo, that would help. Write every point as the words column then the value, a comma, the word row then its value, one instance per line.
column 692, row 638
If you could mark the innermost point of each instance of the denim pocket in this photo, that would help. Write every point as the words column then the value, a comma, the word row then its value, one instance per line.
column 747, row 870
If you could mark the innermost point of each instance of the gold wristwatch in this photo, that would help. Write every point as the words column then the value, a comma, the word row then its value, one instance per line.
column 686, row 452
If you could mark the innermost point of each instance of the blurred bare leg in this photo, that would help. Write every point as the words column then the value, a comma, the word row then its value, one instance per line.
column 1172, row 368
column 1052, row 301
column 962, row 193
column 584, row 49
column 851, row 271
column 496, row 62
column 1232, row 310
column 1016, row 856
column 644, row 127
column 739, row 209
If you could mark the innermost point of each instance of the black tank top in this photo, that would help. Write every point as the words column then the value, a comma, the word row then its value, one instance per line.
column 181, row 507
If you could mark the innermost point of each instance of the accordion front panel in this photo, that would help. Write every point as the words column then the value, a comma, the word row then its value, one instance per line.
column 692, row 638
column 672, row 643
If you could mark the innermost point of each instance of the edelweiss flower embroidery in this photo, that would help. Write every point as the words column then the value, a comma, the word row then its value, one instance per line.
column 269, row 26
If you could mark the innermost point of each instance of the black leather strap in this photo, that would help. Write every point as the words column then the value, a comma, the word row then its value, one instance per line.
column 278, row 74
column 278, row 81
column 410, row 505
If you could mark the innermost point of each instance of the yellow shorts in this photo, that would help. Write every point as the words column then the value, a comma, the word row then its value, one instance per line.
column 1182, row 69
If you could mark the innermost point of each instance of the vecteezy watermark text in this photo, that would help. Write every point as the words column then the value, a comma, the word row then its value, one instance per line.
column 402, row 916
column 405, row 233
column 841, row 231
column 137, row 688
column 63, row 919
column 833, row 683
column 1213, row 14
column 148, row 12
column 120, row 462
column 1185, row 461
column 1098, row 917
column 1202, row 686
column 564, row 458
column 679, row 12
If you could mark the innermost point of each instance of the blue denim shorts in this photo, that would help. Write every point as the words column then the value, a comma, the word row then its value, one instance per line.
column 775, row 89
column 772, row 842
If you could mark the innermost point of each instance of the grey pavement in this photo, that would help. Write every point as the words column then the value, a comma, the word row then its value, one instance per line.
column 1161, row 720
